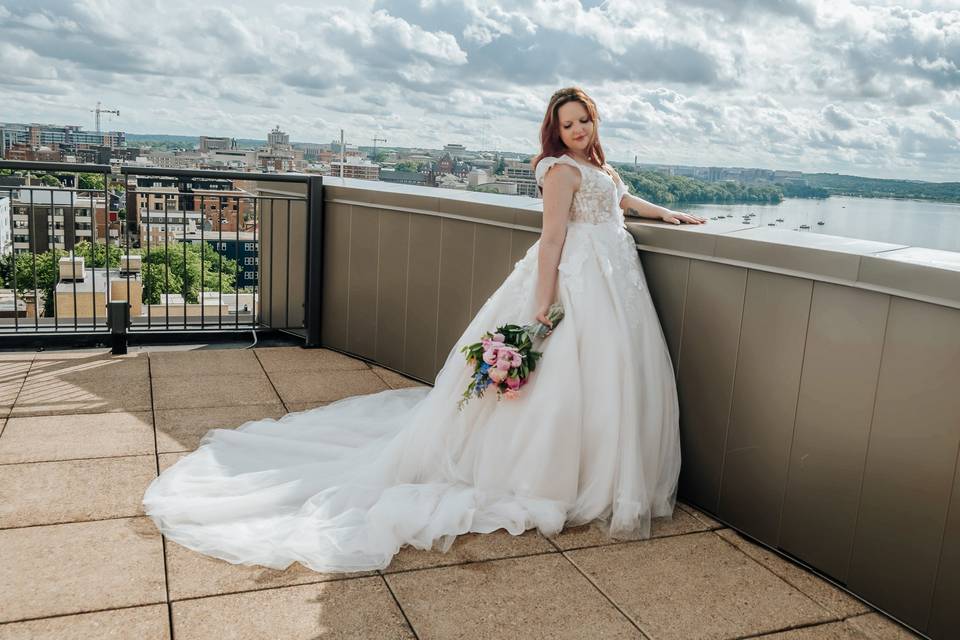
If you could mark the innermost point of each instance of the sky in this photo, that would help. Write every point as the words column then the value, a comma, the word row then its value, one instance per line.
column 866, row 88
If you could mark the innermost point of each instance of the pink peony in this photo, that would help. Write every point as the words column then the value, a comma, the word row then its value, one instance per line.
column 497, row 375
column 490, row 357
column 499, row 337
column 513, row 382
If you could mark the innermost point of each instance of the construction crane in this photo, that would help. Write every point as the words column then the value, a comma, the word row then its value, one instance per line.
column 98, row 111
column 375, row 140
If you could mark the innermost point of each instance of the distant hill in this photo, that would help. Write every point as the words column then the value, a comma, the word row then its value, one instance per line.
column 164, row 141
column 843, row 185
column 664, row 190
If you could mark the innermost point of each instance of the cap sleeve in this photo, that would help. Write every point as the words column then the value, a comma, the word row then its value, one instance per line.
column 622, row 189
column 545, row 163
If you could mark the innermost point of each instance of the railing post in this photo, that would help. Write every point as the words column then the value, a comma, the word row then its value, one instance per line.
column 118, row 319
column 314, row 280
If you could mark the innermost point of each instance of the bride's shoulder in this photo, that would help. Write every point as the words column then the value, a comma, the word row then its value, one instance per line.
column 547, row 162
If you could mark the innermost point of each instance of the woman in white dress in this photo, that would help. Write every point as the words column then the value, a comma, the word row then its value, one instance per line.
column 592, row 436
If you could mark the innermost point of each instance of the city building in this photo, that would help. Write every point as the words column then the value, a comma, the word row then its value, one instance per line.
column 237, row 159
column 53, row 220
column 174, row 159
column 208, row 144
column 520, row 172
column 445, row 164
column 355, row 168
column 408, row 177
column 155, row 193
column 279, row 155
column 47, row 134
column 224, row 210
column 164, row 227
column 277, row 138
column 242, row 247
column 34, row 153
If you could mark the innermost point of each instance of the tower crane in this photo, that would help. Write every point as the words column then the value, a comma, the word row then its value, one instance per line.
column 98, row 111
column 375, row 140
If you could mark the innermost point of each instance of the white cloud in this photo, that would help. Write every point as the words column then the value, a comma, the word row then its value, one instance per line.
column 837, row 85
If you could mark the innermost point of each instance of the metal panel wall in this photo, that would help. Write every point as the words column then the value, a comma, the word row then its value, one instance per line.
column 765, row 389
column 667, row 280
column 837, row 392
column 336, row 274
column 392, row 273
column 708, row 353
column 420, row 341
column 457, row 242
column 911, row 461
column 362, row 287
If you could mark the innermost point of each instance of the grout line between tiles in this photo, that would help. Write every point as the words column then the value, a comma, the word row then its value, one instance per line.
column 85, row 612
column 466, row 562
column 156, row 455
column 56, row 460
column 634, row 623
column 320, row 580
column 399, row 606
column 272, row 385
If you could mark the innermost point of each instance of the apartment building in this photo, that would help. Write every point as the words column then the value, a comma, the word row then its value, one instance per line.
column 53, row 220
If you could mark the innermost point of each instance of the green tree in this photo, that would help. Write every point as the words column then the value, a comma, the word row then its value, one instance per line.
column 406, row 165
column 181, row 267
column 90, row 181
column 501, row 167
column 163, row 271
column 40, row 275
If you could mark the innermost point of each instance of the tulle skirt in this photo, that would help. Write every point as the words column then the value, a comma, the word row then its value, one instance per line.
column 593, row 436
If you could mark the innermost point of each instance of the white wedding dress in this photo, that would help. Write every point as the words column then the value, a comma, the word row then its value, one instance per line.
column 342, row 487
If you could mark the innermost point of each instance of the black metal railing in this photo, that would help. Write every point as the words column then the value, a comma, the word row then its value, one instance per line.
column 184, row 258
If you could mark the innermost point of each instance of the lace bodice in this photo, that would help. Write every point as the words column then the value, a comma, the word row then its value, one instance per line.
column 598, row 198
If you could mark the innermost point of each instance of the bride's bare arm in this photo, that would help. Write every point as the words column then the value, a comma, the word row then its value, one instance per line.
column 559, row 185
column 638, row 207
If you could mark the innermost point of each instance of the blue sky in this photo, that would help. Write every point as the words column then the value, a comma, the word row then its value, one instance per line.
column 871, row 88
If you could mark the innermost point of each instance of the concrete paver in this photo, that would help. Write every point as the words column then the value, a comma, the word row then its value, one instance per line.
column 78, row 560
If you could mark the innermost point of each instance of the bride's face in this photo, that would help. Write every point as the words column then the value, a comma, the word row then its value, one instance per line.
column 576, row 127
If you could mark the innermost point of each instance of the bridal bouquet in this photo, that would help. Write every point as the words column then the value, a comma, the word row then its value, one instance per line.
column 506, row 358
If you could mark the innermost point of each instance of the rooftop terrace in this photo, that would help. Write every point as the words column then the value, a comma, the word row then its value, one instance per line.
column 84, row 432
column 816, row 374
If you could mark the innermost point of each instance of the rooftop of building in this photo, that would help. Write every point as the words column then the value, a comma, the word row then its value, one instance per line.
column 84, row 432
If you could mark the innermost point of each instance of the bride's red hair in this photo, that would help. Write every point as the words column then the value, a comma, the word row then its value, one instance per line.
column 550, row 143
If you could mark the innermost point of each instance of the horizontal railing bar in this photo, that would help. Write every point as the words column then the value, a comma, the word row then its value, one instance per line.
column 246, row 195
column 210, row 173
column 96, row 190
column 56, row 167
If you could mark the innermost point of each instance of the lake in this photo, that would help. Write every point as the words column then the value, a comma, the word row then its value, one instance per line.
column 919, row 223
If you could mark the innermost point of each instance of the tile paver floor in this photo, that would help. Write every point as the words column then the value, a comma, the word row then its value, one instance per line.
column 83, row 432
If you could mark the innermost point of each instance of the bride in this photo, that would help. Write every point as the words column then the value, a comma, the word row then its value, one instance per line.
column 592, row 436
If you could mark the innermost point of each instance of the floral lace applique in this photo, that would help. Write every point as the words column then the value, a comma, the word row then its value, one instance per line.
column 598, row 198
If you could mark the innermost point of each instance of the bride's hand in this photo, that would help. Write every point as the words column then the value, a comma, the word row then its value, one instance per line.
column 675, row 217
column 542, row 317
